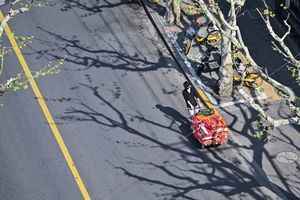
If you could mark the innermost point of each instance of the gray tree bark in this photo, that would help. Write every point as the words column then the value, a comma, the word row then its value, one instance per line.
column 226, row 70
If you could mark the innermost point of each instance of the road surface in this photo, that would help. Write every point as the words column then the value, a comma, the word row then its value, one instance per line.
column 117, row 103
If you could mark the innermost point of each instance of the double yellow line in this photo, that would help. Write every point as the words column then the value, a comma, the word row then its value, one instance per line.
column 46, row 112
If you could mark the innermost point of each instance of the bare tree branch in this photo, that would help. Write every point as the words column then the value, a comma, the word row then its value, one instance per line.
column 231, row 31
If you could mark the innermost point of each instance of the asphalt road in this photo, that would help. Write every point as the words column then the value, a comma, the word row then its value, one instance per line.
column 118, row 105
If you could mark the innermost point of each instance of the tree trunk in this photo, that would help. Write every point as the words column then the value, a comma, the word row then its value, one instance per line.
column 226, row 70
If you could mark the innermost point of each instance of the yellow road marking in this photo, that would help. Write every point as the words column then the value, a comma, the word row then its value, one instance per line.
column 47, row 113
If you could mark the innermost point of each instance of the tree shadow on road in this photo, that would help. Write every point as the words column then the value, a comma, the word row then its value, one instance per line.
column 262, row 157
column 84, row 57
column 226, row 177
column 194, row 171
column 92, row 9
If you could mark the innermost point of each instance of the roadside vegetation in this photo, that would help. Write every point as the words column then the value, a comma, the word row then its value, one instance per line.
column 236, row 58
column 19, row 81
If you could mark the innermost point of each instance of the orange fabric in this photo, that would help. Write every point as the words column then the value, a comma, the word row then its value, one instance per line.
column 212, row 123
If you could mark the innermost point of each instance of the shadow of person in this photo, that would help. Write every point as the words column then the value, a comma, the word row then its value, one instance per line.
column 172, row 113
column 184, row 123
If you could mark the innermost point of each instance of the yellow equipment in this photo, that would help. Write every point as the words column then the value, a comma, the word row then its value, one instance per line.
column 214, row 37
column 199, row 39
column 155, row 1
column 250, row 79
column 237, row 54
column 191, row 9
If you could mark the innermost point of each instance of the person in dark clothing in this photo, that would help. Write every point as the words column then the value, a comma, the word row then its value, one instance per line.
column 190, row 97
